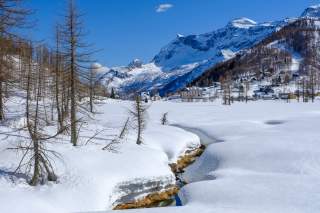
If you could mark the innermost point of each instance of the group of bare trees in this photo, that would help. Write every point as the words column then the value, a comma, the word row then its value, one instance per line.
column 226, row 87
column 58, row 85
column 37, row 120
column 307, row 88
column 56, row 80
column 137, row 121
column 12, row 16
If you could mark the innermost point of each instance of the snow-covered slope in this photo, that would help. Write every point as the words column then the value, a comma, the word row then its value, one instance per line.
column 312, row 11
column 289, row 52
column 238, row 34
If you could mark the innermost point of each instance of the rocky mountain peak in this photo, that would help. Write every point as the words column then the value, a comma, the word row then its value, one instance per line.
column 312, row 12
column 136, row 63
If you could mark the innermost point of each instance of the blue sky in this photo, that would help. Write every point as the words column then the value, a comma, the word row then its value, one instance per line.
column 128, row 29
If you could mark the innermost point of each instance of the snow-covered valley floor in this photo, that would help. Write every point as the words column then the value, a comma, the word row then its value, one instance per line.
column 266, row 159
column 262, row 156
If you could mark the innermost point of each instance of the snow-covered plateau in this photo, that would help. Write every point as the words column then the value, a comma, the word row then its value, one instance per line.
column 263, row 156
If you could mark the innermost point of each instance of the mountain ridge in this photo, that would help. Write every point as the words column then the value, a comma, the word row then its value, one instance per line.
column 187, row 57
column 289, row 54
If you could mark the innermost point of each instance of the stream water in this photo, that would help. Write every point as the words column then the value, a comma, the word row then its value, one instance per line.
column 201, row 167
column 177, row 200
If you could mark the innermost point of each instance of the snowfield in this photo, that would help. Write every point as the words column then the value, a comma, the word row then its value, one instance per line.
column 265, row 157
column 262, row 156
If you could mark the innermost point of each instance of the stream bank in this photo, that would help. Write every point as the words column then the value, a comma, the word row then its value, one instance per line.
column 156, row 199
column 168, row 196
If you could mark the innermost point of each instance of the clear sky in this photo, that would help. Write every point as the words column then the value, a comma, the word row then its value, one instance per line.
column 128, row 29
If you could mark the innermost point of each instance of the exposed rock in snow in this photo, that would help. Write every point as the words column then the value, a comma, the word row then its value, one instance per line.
column 143, row 193
column 136, row 63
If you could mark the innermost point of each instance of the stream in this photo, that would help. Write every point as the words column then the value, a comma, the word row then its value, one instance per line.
column 203, row 165
column 194, row 166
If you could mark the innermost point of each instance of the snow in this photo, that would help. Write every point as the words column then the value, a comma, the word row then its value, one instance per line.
column 228, row 54
column 296, row 57
column 180, row 35
column 296, row 61
column 88, row 176
column 315, row 6
column 261, row 167
column 243, row 23
column 237, row 35
column 267, row 158
column 99, row 69
column 312, row 12
column 263, row 156
column 136, row 63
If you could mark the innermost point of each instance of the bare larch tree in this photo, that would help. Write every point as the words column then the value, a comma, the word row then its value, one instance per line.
column 139, row 117
column 36, row 156
column 75, row 60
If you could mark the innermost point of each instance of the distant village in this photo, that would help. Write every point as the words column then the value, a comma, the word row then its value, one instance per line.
column 282, row 87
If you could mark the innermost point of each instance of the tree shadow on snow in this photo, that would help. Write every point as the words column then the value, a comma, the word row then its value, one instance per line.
column 12, row 175
column 274, row 122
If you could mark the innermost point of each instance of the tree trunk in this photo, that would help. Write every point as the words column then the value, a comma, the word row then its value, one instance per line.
column 139, row 118
column 57, row 92
column 1, row 103
column 91, row 92
column 34, row 137
column 36, row 170
column 73, row 96
column 73, row 103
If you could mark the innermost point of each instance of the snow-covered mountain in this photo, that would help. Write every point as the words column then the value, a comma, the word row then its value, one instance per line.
column 224, row 43
column 291, row 53
column 188, row 57
column 312, row 11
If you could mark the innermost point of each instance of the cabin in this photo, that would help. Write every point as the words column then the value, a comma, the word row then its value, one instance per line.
column 264, row 92
column 189, row 94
